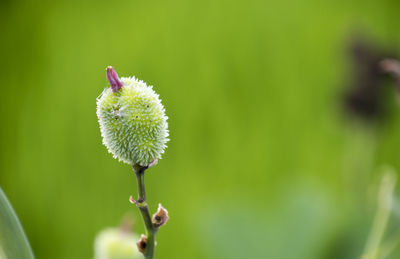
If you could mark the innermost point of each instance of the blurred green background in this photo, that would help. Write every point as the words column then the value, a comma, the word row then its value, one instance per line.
column 261, row 163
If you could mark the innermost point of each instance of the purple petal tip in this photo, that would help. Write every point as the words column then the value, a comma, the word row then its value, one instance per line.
column 114, row 80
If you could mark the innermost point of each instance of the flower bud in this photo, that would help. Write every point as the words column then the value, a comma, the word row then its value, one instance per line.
column 132, row 120
column 114, row 80
column 114, row 243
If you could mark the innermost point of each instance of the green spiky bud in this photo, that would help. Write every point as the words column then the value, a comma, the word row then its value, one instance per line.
column 132, row 120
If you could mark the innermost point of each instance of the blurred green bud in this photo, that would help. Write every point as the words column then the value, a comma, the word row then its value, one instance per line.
column 114, row 243
column 132, row 120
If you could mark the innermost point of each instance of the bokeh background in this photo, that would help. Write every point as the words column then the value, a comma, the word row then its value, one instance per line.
column 263, row 162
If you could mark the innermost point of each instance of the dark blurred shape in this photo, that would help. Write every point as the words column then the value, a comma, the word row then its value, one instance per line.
column 392, row 67
column 364, row 98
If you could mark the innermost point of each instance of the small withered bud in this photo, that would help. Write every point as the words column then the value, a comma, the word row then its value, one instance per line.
column 160, row 217
column 142, row 244
column 112, row 76
column 132, row 200
column 140, row 203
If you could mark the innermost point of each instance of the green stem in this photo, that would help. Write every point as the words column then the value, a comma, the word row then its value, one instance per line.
column 144, row 210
